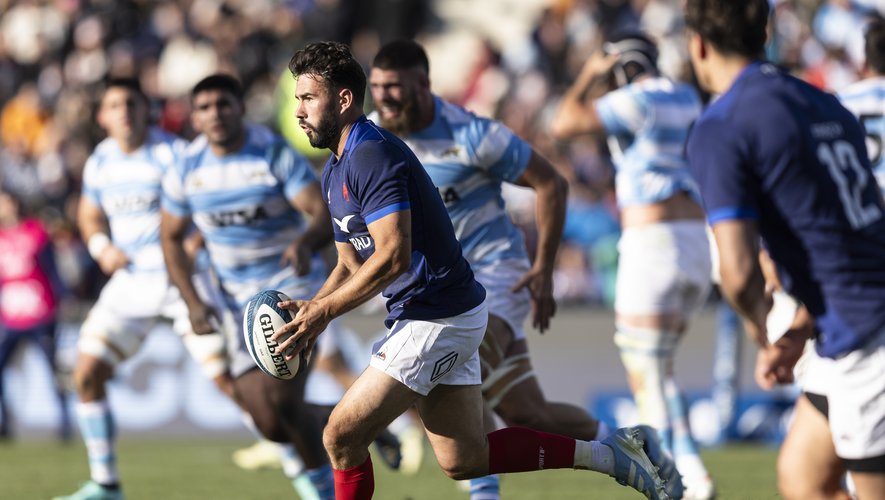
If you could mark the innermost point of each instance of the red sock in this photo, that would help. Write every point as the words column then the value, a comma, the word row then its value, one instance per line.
column 517, row 449
column 355, row 483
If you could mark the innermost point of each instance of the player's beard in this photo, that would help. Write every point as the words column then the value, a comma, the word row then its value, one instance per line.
column 326, row 131
column 407, row 120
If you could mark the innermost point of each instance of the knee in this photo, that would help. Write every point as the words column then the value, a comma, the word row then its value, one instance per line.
column 338, row 441
column 90, row 379
column 464, row 467
column 795, row 482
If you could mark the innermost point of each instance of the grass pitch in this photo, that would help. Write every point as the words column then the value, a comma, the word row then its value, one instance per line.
column 198, row 469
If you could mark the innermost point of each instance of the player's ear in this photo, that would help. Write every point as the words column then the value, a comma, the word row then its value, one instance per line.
column 345, row 99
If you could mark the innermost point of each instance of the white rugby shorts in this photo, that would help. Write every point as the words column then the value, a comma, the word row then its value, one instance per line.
column 663, row 268
column 422, row 354
column 854, row 385
column 499, row 279
column 129, row 307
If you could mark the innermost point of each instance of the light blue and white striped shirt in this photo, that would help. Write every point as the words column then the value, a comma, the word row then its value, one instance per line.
column 468, row 157
column 866, row 100
column 647, row 123
column 241, row 204
column 126, row 186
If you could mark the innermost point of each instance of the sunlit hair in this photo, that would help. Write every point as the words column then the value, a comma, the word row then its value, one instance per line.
column 333, row 63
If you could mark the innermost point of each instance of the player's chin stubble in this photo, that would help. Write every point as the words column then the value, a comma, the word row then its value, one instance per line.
column 326, row 131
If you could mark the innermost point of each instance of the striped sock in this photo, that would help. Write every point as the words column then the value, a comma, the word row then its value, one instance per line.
column 683, row 443
column 485, row 488
column 99, row 432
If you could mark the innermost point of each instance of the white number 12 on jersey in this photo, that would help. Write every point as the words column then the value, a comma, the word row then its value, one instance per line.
column 841, row 158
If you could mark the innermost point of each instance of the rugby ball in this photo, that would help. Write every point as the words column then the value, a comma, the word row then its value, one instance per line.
column 261, row 318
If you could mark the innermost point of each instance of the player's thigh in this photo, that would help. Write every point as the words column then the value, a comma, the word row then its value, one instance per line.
column 870, row 485
column 512, row 388
column 663, row 274
column 274, row 404
column 125, row 312
column 373, row 401
column 453, row 419
column 857, row 408
column 807, row 461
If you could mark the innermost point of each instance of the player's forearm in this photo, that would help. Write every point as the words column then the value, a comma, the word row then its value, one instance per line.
column 337, row 278
column 179, row 267
column 369, row 280
column 745, row 290
column 550, row 206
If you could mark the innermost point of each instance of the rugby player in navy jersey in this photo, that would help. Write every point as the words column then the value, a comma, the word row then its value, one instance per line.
column 487, row 154
column 393, row 236
column 777, row 158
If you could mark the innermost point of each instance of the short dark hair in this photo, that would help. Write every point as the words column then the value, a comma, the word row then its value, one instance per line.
column 401, row 54
column 126, row 83
column 733, row 27
column 874, row 45
column 333, row 62
column 219, row 81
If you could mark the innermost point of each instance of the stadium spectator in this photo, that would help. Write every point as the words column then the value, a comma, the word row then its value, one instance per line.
column 664, row 264
column 778, row 159
column 30, row 292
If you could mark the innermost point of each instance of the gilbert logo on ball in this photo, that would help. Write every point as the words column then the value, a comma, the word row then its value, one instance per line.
column 262, row 317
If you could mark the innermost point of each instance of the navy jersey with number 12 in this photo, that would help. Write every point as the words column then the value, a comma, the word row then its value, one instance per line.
column 377, row 175
column 775, row 149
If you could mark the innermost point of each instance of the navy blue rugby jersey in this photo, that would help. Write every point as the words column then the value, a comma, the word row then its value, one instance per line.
column 377, row 175
column 775, row 149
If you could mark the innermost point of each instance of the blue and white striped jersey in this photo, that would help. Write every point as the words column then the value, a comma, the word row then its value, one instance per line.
column 468, row 157
column 866, row 100
column 126, row 186
column 241, row 204
column 648, row 123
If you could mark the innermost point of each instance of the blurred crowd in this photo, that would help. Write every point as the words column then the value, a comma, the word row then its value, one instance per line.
column 507, row 59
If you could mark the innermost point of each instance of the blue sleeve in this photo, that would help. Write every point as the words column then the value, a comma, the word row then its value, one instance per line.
column 496, row 149
column 90, row 191
column 173, row 198
column 622, row 111
column 720, row 161
column 381, row 180
column 292, row 169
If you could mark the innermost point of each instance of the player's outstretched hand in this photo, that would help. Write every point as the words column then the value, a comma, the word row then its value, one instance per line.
column 311, row 319
column 540, row 285
column 298, row 256
column 204, row 319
